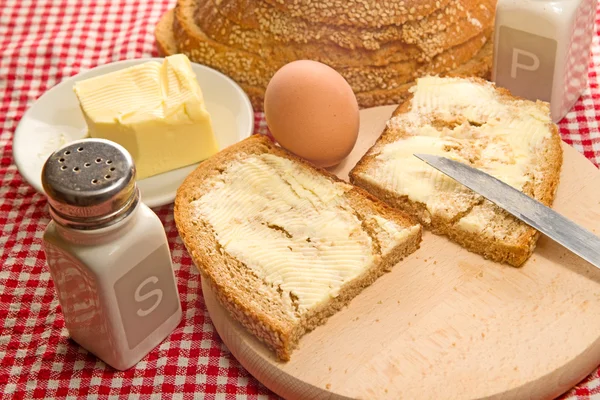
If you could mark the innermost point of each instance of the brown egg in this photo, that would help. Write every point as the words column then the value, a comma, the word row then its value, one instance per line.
column 312, row 111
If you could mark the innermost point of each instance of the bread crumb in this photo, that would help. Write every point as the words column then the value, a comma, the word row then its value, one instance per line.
column 330, row 368
column 453, row 344
column 435, row 263
column 377, row 320
column 482, row 334
column 480, row 274
column 386, row 390
column 346, row 371
column 516, row 368
column 379, row 302
column 398, row 301
column 455, row 288
column 328, row 386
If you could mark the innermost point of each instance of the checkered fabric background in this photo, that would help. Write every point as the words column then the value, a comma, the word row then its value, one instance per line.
column 41, row 43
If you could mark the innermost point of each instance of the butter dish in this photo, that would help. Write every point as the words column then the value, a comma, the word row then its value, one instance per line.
column 56, row 119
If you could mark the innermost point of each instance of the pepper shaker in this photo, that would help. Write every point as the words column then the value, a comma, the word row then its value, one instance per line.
column 108, row 254
column 542, row 50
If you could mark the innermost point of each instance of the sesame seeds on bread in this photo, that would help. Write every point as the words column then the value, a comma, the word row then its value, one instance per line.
column 472, row 121
column 252, row 69
column 285, row 245
column 479, row 66
column 254, row 26
column 373, row 85
column 363, row 13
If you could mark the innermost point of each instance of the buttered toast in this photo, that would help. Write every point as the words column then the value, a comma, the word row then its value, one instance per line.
column 285, row 245
column 471, row 121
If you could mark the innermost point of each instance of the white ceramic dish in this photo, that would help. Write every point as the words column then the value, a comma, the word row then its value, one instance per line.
column 56, row 119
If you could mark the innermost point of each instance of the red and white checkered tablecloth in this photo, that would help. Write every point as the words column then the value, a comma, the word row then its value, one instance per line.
column 41, row 43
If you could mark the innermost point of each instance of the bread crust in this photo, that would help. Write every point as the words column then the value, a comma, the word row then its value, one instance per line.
column 478, row 66
column 514, row 252
column 163, row 33
column 363, row 13
column 246, row 297
column 259, row 28
column 246, row 71
column 249, row 68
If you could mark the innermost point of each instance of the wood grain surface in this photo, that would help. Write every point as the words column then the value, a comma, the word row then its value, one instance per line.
column 447, row 324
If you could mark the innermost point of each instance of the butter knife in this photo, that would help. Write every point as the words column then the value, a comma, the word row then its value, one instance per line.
column 535, row 214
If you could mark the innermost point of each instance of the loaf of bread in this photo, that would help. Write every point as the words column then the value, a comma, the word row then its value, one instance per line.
column 471, row 121
column 363, row 13
column 177, row 32
column 250, row 68
column 264, row 30
column 285, row 245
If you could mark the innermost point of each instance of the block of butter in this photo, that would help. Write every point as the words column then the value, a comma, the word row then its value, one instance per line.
column 156, row 111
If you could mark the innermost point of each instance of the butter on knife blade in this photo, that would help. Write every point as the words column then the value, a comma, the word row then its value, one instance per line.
column 535, row 214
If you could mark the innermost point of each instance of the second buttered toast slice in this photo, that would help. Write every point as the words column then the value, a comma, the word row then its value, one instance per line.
column 471, row 121
column 282, row 244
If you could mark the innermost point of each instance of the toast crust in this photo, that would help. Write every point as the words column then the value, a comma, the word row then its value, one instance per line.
column 261, row 314
column 514, row 252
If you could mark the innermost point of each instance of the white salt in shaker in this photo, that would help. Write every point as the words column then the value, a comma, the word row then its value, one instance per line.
column 108, row 254
column 542, row 50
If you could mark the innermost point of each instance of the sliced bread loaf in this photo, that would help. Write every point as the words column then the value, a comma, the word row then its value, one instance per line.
column 252, row 69
column 203, row 52
column 254, row 25
column 471, row 121
column 285, row 245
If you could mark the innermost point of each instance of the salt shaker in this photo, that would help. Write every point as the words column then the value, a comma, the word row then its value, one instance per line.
column 108, row 254
column 542, row 50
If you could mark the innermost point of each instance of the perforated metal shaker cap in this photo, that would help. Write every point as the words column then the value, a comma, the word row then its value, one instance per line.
column 90, row 184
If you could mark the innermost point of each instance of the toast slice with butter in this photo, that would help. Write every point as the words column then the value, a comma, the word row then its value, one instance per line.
column 285, row 245
column 471, row 121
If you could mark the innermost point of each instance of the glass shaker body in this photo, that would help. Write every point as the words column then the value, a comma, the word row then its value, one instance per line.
column 116, row 286
column 542, row 50
column 107, row 253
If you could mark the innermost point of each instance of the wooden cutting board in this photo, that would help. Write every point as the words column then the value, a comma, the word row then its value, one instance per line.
column 447, row 324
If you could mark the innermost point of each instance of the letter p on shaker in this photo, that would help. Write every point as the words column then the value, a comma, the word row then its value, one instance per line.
column 542, row 50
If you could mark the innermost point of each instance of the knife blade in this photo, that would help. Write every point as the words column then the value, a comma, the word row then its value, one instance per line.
column 535, row 214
